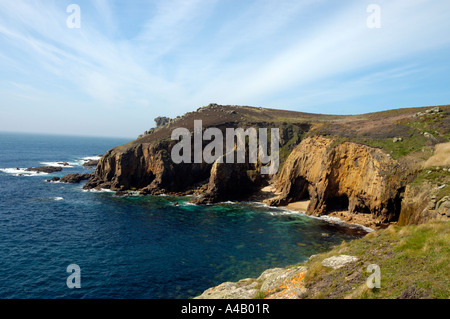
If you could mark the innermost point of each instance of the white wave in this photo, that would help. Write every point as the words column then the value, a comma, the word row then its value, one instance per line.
column 336, row 220
column 101, row 190
column 188, row 204
column 91, row 158
column 286, row 212
column 57, row 164
column 21, row 172
column 58, row 198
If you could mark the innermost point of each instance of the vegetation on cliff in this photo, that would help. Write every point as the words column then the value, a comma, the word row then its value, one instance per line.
column 413, row 261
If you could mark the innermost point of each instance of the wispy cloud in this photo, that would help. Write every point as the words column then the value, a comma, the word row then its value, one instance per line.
column 184, row 54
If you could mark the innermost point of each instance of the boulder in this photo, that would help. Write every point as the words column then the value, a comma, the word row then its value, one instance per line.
column 337, row 262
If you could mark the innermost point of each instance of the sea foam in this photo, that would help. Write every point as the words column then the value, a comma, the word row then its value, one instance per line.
column 21, row 172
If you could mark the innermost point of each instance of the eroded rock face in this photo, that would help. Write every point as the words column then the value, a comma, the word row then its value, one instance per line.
column 420, row 205
column 146, row 167
column 347, row 176
column 228, row 181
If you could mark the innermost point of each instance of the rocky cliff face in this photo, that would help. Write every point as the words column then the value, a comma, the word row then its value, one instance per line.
column 332, row 175
column 347, row 176
column 147, row 167
column 420, row 205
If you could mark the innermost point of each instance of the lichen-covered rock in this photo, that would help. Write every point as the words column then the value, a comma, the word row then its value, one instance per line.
column 276, row 283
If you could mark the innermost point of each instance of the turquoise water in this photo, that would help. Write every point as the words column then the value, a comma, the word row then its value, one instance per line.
column 131, row 247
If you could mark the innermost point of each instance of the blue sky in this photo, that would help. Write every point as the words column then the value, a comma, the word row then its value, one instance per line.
column 131, row 61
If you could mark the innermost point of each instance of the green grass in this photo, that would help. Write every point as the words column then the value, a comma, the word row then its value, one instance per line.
column 400, row 149
column 414, row 262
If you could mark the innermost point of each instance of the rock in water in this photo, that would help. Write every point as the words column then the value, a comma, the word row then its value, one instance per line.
column 90, row 163
column 75, row 178
column 44, row 169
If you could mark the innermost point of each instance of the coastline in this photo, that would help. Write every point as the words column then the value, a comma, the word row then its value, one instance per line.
column 344, row 218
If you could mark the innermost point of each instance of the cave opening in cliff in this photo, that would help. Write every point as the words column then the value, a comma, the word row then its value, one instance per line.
column 337, row 203
column 299, row 190
column 395, row 206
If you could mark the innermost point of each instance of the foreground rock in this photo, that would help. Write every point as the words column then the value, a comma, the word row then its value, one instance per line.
column 75, row 178
column 276, row 283
column 337, row 262
column 44, row 169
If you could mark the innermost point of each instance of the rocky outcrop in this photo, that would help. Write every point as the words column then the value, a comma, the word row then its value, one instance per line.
column 44, row 169
column 90, row 163
column 227, row 182
column 146, row 167
column 421, row 205
column 75, row 178
column 346, row 176
column 161, row 121
column 276, row 283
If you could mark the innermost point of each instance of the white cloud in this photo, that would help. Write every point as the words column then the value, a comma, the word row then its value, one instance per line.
column 189, row 53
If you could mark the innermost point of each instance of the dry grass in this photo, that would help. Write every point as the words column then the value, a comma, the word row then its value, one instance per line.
column 441, row 156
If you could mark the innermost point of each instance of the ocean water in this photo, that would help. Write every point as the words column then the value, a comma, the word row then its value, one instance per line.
column 132, row 247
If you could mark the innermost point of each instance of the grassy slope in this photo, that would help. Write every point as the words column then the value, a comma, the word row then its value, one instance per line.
column 414, row 263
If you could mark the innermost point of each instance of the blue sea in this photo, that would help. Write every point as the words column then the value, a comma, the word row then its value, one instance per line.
column 132, row 247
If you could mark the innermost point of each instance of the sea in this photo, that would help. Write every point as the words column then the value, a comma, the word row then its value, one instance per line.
column 133, row 247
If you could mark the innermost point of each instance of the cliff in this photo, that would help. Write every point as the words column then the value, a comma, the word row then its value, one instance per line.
column 362, row 164
column 348, row 176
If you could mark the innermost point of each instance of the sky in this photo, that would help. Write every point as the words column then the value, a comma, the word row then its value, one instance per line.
column 112, row 69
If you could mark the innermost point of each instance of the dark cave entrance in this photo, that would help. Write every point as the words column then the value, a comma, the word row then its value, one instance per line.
column 394, row 206
column 299, row 190
column 337, row 203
